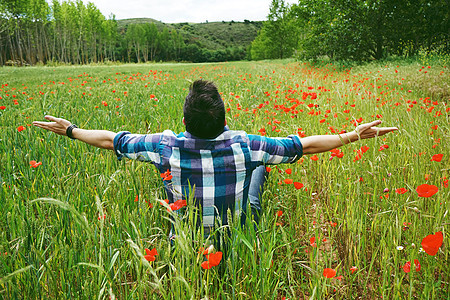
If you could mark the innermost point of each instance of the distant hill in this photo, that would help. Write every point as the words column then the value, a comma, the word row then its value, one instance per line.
column 210, row 35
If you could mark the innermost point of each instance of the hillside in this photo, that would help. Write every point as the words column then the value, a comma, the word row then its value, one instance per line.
column 211, row 35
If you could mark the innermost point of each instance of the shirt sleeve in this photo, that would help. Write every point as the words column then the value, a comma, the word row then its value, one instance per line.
column 275, row 150
column 142, row 147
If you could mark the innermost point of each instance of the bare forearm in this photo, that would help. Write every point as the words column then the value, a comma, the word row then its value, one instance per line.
column 98, row 138
column 323, row 143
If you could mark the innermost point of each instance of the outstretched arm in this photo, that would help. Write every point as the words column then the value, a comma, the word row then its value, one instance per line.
column 322, row 143
column 98, row 138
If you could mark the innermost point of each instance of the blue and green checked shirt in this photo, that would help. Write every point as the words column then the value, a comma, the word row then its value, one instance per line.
column 217, row 171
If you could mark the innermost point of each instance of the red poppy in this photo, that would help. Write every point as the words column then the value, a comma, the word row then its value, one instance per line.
column 34, row 164
column 312, row 241
column 298, row 185
column 268, row 169
column 401, row 191
column 166, row 175
column 426, row 190
column 407, row 266
column 20, row 128
column 2, row 107
column 437, row 157
column 314, row 157
column 177, row 205
column 213, row 260
column 431, row 243
column 150, row 254
column 288, row 181
column 289, row 171
column 353, row 269
column 329, row 273
column 279, row 213
column 136, row 199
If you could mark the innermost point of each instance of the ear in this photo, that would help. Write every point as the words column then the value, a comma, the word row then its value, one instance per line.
column 184, row 122
column 225, row 123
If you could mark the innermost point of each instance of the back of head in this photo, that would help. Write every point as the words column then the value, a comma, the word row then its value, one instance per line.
column 204, row 111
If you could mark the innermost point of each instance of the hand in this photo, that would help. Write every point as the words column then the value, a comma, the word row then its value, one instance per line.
column 58, row 125
column 367, row 131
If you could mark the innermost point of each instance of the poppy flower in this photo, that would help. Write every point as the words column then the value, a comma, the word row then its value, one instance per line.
column 312, row 241
column 268, row 169
column 407, row 266
column 279, row 213
column 288, row 181
column 329, row 273
column 298, row 185
column 353, row 269
column 20, row 128
column 401, row 191
column 34, row 164
column 166, row 175
column 437, row 157
column 177, row 205
column 431, row 243
column 426, row 190
column 150, row 254
column 213, row 260
column 314, row 157
column 2, row 107
column 289, row 171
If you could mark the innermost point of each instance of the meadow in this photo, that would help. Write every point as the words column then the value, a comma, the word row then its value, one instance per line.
column 369, row 221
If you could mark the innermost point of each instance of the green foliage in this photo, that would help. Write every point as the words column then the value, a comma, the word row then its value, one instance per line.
column 278, row 36
column 363, row 30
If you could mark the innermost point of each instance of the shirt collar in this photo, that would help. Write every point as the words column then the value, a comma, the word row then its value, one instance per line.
column 191, row 136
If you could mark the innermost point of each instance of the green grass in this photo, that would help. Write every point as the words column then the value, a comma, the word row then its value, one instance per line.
column 55, row 243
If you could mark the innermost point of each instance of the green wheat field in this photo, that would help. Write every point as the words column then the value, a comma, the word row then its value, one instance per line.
column 75, row 221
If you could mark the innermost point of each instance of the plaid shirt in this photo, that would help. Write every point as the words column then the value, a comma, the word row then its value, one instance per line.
column 218, row 170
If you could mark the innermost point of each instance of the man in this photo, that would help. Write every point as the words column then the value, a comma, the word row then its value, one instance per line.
column 223, row 168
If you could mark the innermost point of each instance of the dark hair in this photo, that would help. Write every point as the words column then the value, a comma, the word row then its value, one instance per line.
column 204, row 111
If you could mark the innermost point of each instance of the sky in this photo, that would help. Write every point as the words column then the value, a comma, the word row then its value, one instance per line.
column 178, row 11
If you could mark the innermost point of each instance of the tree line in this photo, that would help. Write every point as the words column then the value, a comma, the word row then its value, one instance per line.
column 353, row 29
column 36, row 32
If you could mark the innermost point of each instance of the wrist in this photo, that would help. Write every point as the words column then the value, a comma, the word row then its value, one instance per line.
column 69, row 131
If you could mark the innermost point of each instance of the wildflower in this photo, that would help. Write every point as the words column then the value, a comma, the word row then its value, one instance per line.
column 150, row 254
column 426, row 190
column 407, row 266
column 34, row 164
column 177, row 205
column 401, row 191
column 353, row 269
column 20, row 128
column 437, row 157
column 268, row 169
column 166, row 176
column 2, row 107
column 329, row 273
column 288, row 181
column 431, row 243
column 383, row 147
column 298, row 185
column 386, row 190
column 279, row 213
column 314, row 157
column 213, row 259
column 399, row 248
column 312, row 241
column 136, row 199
